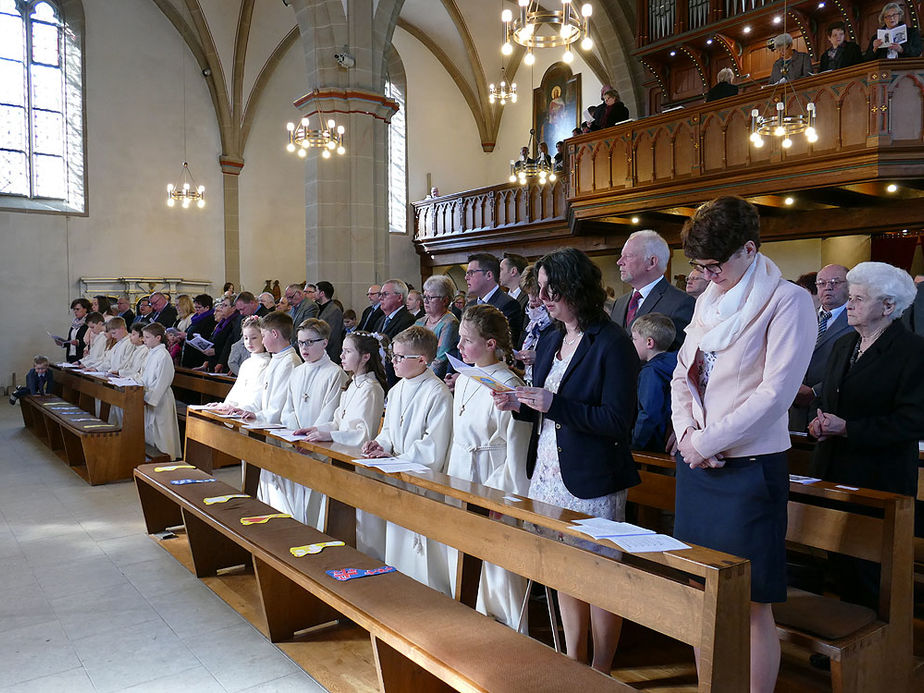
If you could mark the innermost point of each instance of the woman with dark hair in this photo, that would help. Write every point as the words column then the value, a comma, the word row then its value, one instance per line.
column 740, row 366
column 841, row 53
column 75, row 344
column 100, row 304
column 581, row 409
column 807, row 282
column 201, row 323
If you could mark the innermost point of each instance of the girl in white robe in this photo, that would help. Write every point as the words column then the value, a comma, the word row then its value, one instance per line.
column 313, row 395
column 160, row 425
column 247, row 392
column 356, row 421
column 417, row 427
column 489, row 446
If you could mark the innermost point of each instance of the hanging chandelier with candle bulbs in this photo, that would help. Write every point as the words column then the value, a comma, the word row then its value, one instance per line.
column 535, row 27
column 535, row 169
column 503, row 92
column 186, row 192
column 779, row 122
column 328, row 137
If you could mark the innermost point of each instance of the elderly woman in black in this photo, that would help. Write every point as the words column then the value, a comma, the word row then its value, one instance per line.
column 872, row 402
column 891, row 16
column 582, row 408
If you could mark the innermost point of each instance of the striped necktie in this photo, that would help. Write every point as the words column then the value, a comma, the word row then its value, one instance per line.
column 633, row 308
column 823, row 317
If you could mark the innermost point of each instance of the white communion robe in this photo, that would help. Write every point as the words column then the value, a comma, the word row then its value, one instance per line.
column 118, row 356
column 135, row 358
column 490, row 447
column 160, row 424
column 313, row 395
column 418, row 427
column 247, row 391
column 356, row 421
column 95, row 354
column 276, row 385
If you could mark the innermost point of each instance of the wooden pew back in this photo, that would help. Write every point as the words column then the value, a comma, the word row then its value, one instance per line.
column 654, row 590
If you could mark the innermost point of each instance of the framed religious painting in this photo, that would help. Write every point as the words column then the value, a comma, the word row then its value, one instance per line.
column 556, row 105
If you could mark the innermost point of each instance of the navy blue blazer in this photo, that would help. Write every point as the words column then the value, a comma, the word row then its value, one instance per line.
column 593, row 410
column 40, row 386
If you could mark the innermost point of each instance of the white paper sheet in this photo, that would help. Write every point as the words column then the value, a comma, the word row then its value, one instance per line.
column 124, row 382
column 647, row 543
column 288, row 434
column 199, row 342
column 848, row 488
column 263, row 426
column 391, row 465
column 803, row 479
column 513, row 499
column 601, row 527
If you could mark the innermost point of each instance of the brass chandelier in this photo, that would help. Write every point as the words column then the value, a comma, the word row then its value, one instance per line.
column 303, row 136
column 535, row 27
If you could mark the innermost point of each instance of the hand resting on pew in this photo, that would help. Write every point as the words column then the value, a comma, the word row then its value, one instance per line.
column 825, row 425
column 372, row 448
column 314, row 434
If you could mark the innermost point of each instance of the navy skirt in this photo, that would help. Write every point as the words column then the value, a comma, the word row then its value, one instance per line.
column 739, row 509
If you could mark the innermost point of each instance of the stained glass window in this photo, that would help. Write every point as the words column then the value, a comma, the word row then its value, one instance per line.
column 41, row 115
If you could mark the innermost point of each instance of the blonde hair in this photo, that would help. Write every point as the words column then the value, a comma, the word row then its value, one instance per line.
column 418, row 339
column 490, row 323
column 319, row 327
column 184, row 305
column 657, row 327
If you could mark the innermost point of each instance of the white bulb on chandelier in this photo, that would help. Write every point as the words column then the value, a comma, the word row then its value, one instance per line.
column 587, row 43
column 758, row 141
column 304, row 122
column 302, row 153
column 586, row 9
column 326, row 154
column 200, row 204
column 200, row 189
column 811, row 135
column 491, row 96
column 529, row 58
column 506, row 16
column 331, row 124
column 169, row 187
column 507, row 48
column 523, row 3
column 512, row 179
column 513, row 97
column 170, row 202
column 568, row 57
column 787, row 143
column 185, row 204
column 185, row 186
column 553, row 177
column 779, row 131
column 290, row 127
column 341, row 150
column 290, row 147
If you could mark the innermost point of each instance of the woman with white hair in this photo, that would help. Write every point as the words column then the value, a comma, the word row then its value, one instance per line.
column 438, row 292
column 872, row 402
column 792, row 64
column 891, row 16
column 723, row 86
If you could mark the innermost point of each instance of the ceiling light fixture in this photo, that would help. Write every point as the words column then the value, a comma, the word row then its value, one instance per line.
column 328, row 139
column 535, row 27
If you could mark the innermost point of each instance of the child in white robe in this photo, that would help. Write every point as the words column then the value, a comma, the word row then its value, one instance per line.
column 357, row 421
column 131, row 367
column 276, row 330
column 121, row 352
column 313, row 395
column 489, row 446
column 417, row 427
column 96, row 337
column 247, row 392
column 161, row 430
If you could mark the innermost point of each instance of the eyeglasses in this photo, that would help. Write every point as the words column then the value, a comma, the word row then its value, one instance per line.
column 471, row 273
column 308, row 342
column 389, row 293
column 831, row 283
column 398, row 358
column 714, row 268
column 893, row 15
column 428, row 297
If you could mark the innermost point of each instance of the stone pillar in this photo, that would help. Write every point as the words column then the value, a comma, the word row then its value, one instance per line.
column 231, row 170
column 346, row 210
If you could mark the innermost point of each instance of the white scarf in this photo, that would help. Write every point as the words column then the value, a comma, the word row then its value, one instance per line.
column 720, row 317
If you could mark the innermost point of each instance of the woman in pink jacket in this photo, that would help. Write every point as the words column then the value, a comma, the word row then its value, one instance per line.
column 738, row 371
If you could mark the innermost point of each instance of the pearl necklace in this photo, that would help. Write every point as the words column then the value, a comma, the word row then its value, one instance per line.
column 576, row 337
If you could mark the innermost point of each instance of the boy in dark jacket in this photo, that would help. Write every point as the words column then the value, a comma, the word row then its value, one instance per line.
column 652, row 335
column 39, row 380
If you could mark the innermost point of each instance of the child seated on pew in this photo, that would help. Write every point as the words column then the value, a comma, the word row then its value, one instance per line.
column 120, row 354
column 357, row 421
column 313, row 396
column 96, row 339
column 489, row 446
column 132, row 368
column 161, row 430
column 417, row 427
column 652, row 335
column 247, row 391
column 276, row 330
column 39, row 380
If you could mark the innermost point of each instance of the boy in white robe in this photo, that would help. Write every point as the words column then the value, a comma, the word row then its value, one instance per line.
column 132, row 366
column 247, row 392
column 96, row 336
column 313, row 395
column 356, row 421
column 161, row 430
column 121, row 352
column 489, row 446
column 417, row 427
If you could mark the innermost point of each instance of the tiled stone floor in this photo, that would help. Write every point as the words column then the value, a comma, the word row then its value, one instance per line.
column 88, row 602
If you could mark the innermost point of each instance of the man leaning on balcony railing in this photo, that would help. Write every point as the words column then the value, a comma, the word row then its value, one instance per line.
column 792, row 64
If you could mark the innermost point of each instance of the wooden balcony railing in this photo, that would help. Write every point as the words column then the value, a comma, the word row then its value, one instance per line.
column 870, row 123
column 496, row 208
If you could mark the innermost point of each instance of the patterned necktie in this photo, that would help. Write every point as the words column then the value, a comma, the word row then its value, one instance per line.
column 823, row 317
column 633, row 307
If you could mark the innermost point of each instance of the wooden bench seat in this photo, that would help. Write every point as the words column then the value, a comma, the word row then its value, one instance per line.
column 869, row 650
column 696, row 596
column 422, row 640
column 96, row 450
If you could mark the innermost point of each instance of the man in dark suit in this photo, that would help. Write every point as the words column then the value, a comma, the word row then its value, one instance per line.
column 302, row 307
column 481, row 278
column 372, row 313
column 642, row 265
column 333, row 316
column 125, row 310
column 511, row 272
column 832, row 324
column 395, row 318
column 162, row 310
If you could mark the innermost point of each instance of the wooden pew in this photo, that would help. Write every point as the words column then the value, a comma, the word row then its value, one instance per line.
column 422, row 640
column 878, row 654
column 198, row 387
column 696, row 596
column 97, row 451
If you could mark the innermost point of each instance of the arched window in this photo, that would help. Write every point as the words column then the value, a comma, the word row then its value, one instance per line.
column 397, row 161
column 41, row 106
